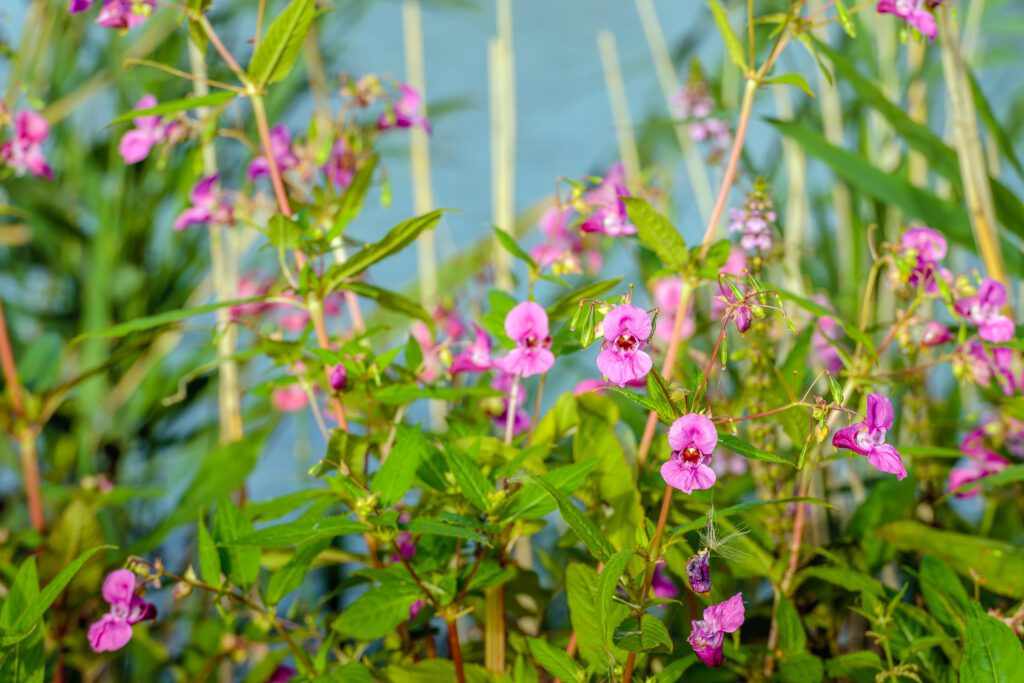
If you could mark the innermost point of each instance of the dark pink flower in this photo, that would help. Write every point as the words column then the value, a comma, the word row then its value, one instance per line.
column 281, row 147
column 341, row 165
column 981, row 462
column 707, row 635
column 125, row 14
column 984, row 365
column 338, row 377
column 666, row 292
column 76, row 6
column 208, row 206
column 476, row 356
column 608, row 211
column 923, row 248
column 661, row 584
column 913, row 12
column 527, row 326
column 983, row 310
column 935, row 334
column 698, row 572
column 692, row 437
column 24, row 151
column 114, row 630
column 282, row 674
column 148, row 131
column 868, row 437
column 626, row 331
column 250, row 286
column 406, row 112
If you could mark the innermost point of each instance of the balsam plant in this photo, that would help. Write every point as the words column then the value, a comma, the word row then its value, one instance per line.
column 793, row 456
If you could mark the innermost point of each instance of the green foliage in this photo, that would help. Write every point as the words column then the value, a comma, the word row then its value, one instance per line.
column 276, row 54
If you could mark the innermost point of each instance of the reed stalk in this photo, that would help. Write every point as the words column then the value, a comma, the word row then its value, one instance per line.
column 620, row 109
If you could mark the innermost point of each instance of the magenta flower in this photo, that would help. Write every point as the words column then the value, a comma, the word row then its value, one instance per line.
column 984, row 365
column 692, row 437
column 698, row 572
column 935, row 334
column 250, row 286
column 148, row 131
column 114, row 630
column 913, row 12
column 626, row 331
column 289, row 399
column 76, row 6
column 338, row 377
column 707, row 635
column 341, row 165
column 868, row 437
column 208, row 206
column 281, row 147
column 24, row 151
column 925, row 247
column 981, row 462
column 983, row 310
column 282, row 674
column 661, row 585
column 666, row 292
column 476, row 356
column 125, row 14
column 407, row 111
column 608, row 211
column 527, row 326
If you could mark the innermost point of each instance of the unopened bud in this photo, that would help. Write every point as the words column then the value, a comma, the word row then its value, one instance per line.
column 338, row 377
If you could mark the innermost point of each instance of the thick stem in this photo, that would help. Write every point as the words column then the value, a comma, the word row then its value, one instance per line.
column 510, row 412
column 456, row 650
column 494, row 625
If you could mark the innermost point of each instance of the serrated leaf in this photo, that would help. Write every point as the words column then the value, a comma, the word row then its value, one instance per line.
column 293, row 533
column 435, row 527
column 555, row 661
column 733, row 46
column 376, row 613
column 289, row 577
column 471, row 480
column 792, row 637
column 241, row 563
column 607, row 584
column 390, row 300
column 581, row 590
column 634, row 636
column 992, row 652
column 748, row 450
column 209, row 558
column 397, row 473
column 276, row 53
column 175, row 106
column 581, row 525
column 657, row 234
column 398, row 238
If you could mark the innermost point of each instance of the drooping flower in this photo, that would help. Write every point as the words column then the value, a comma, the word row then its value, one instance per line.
column 666, row 292
column 983, row 310
column 148, row 131
column 708, row 634
column 754, row 220
column 626, row 331
column 608, row 211
column 114, row 629
column 281, row 148
column 527, row 326
column 208, row 206
column 661, row 585
column 981, row 462
column 125, row 14
column 406, row 112
column 868, row 437
column 699, row 572
column 913, row 12
column 692, row 438
column 476, row 356
column 925, row 248
column 24, row 150
column 76, row 6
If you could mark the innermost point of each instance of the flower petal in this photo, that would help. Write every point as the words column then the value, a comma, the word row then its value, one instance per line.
column 687, row 478
column 887, row 459
column 726, row 616
column 109, row 634
column 879, row 412
column 847, row 438
column 118, row 587
column 525, row 320
column 696, row 429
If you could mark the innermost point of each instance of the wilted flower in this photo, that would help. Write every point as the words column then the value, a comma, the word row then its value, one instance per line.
column 208, row 206
column 868, row 437
column 281, row 148
column 707, row 635
column 406, row 112
column 626, row 331
column 24, row 151
column 661, row 585
column 699, row 572
column 692, row 437
column 114, row 630
column 476, row 356
column 527, row 326
column 983, row 310
column 913, row 12
column 754, row 221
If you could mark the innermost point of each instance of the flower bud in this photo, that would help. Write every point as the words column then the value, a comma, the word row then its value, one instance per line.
column 338, row 377
column 699, row 573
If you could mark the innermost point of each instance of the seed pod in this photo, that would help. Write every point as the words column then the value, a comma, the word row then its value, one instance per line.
column 699, row 573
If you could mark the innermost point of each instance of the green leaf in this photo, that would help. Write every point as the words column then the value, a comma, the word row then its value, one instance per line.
column 39, row 366
column 209, row 558
column 376, row 613
column 175, row 106
column 801, row 667
column 1000, row 565
column 511, row 246
column 396, row 475
column 820, row 311
column 352, row 200
column 276, row 53
column 290, row 577
column 293, row 533
column 633, row 636
column 794, row 79
column 240, row 562
column 836, row 390
column 607, row 584
column 567, row 305
column 284, row 233
column 844, row 19
column 555, row 661
column 581, row 590
column 434, row 671
column 435, row 527
column 588, row 532
column 747, row 450
column 161, row 319
column 471, row 480
column 943, row 593
column 732, row 43
column 21, row 594
column 648, row 402
column 398, row 238
column 992, row 653
column 39, row 606
column 657, row 234
column 847, row 579
column 792, row 638
column 390, row 300
column 931, row 452
column 399, row 394
column 860, row 665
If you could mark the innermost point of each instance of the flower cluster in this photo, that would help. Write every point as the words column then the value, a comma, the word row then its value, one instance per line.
column 23, row 151
column 119, row 14
column 915, row 12
column 147, row 132
column 694, row 105
column 867, row 437
column 604, row 206
column 755, row 221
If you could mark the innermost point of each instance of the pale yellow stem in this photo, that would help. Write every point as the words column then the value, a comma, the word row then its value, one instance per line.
column 501, row 70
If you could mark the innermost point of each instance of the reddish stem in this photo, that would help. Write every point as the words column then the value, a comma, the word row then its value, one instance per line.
column 456, row 650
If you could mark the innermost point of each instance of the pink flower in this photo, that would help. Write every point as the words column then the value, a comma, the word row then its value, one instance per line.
column 754, row 221
column 983, row 310
column 661, row 584
column 76, row 6
column 694, row 105
column 476, row 356
column 114, row 630
column 281, row 147
column 591, row 384
column 868, row 437
column 984, row 365
column 925, row 247
column 608, row 215
column 935, row 334
column 912, row 12
column 707, row 635
column 208, row 206
column 699, row 572
column 24, row 151
column 692, row 437
column 826, row 332
column 563, row 248
column 520, row 418
column 407, row 111
column 341, row 165
column 626, row 331
column 338, row 377
column 431, row 358
column 981, row 463
column 148, row 131
column 125, row 14
column 282, row 674
column 666, row 292
column 527, row 326
column 250, row 286
column 289, row 399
